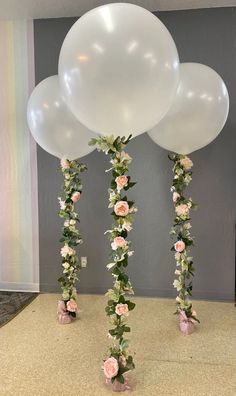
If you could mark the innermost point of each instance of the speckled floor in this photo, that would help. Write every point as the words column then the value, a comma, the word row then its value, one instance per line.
column 40, row 357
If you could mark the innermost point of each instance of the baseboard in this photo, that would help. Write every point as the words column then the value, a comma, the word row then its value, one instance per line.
column 19, row 287
column 161, row 293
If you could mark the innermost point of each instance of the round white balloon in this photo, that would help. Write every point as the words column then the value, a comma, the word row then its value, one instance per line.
column 198, row 112
column 53, row 126
column 119, row 69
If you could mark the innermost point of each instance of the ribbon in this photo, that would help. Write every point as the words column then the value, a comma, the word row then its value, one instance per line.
column 183, row 318
column 63, row 316
column 117, row 386
column 186, row 324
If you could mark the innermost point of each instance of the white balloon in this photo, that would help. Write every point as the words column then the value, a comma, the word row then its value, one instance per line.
column 53, row 126
column 198, row 112
column 119, row 69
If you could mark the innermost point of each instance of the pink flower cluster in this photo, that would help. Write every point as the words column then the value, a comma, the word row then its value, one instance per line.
column 121, row 208
column 71, row 305
column 179, row 246
column 182, row 210
column 175, row 196
column 110, row 367
column 121, row 182
column 122, row 309
column 75, row 196
column 119, row 242
column 186, row 163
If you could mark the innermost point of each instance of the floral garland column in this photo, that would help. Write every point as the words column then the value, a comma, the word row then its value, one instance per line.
column 181, row 232
column 72, row 188
column 119, row 306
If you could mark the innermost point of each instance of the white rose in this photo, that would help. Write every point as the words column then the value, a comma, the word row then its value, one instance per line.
column 66, row 265
column 187, row 226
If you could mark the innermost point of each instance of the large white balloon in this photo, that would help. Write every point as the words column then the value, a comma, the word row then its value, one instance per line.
column 119, row 69
column 198, row 112
column 53, row 126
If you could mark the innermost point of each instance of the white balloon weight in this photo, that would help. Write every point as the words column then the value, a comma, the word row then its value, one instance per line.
column 119, row 69
column 198, row 112
column 53, row 126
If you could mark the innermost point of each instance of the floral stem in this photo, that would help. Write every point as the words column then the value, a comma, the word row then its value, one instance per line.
column 181, row 232
column 71, row 238
column 119, row 305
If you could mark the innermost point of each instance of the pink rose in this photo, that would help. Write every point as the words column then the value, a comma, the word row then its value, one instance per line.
column 121, row 182
column 177, row 272
column 175, row 196
column 179, row 246
column 122, row 309
column 121, row 208
column 110, row 367
column 182, row 209
column 186, row 163
column 75, row 196
column 71, row 306
column 65, row 163
column 118, row 242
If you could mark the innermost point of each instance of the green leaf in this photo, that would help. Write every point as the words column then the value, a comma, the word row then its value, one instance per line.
column 123, row 370
column 116, row 271
column 123, row 277
column 131, row 305
column 124, row 234
column 93, row 142
column 61, row 279
column 132, row 184
column 122, row 299
column 112, row 332
column 114, row 173
column 120, row 378
column 113, row 184
column 127, row 140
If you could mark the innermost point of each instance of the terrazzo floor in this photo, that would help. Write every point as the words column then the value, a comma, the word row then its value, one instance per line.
column 40, row 357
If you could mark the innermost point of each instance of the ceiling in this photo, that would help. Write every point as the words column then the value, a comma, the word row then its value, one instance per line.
column 28, row 9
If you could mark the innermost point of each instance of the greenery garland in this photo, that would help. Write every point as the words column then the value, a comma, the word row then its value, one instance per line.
column 118, row 307
column 71, row 237
column 181, row 232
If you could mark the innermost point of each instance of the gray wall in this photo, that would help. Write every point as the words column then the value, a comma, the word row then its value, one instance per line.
column 205, row 36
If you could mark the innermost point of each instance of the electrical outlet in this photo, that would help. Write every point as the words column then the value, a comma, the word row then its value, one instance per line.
column 84, row 262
